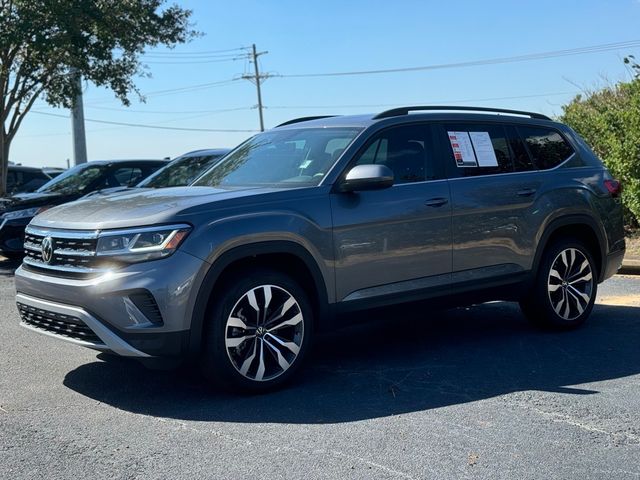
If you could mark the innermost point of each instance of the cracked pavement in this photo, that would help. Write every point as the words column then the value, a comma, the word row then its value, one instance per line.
column 464, row 393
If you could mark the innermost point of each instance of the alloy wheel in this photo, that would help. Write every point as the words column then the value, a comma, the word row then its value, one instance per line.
column 264, row 333
column 570, row 284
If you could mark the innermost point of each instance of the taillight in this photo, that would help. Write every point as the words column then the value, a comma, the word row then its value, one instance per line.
column 614, row 187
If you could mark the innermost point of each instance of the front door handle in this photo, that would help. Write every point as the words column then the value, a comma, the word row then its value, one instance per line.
column 526, row 192
column 436, row 202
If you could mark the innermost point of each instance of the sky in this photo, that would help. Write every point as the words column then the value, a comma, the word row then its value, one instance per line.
column 308, row 37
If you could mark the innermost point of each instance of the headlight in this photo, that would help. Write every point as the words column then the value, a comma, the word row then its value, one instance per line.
column 141, row 244
column 26, row 213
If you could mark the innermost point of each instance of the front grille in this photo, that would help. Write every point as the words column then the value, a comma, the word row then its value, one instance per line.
column 65, row 325
column 73, row 252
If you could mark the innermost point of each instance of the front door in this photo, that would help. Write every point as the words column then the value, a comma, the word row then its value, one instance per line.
column 394, row 241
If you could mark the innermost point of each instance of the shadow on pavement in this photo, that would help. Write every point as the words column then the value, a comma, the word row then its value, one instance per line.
column 393, row 367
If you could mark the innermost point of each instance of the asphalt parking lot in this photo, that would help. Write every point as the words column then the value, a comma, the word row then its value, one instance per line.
column 465, row 393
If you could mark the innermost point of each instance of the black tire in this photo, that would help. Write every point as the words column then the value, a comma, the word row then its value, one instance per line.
column 558, row 298
column 223, row 364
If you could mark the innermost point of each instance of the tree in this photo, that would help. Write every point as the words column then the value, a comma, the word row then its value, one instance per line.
column 609, row 120
column 44, row 44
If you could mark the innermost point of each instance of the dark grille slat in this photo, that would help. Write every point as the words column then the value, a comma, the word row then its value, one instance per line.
column 58, row 324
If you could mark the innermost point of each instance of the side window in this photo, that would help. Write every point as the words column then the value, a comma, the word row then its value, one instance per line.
column 407, row 150
column 547, row 147
column 127, row 176
column 32, row 181
column 11, row 181
column 521, row 159
column 479, row 149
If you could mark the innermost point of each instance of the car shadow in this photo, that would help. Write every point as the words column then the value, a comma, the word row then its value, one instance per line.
column 425, row 360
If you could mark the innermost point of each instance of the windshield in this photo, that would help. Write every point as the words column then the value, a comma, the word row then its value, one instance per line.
column 285, row 158
column 74, row 180
column 180, row 172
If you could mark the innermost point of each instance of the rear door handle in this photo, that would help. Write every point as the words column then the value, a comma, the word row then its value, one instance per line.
column 436, row 202
column 526, row 192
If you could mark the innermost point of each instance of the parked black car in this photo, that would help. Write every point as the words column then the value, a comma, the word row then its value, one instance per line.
column 53, row 172
column 180, row 172
column 17, row 211
column 22, row 179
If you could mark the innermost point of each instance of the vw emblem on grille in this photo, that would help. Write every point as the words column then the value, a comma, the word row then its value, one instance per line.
column 47, row 249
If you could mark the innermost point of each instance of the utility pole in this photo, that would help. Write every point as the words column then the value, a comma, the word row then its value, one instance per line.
column 77, row 123
column 256, row 78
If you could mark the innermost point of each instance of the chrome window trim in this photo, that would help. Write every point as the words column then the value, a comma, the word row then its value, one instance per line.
column 518, row 173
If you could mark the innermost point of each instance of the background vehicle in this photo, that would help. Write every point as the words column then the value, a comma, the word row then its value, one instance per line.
column 25, row 179
column 180, row 172
column 53, row 172
column 324, row 216
column 17, row 211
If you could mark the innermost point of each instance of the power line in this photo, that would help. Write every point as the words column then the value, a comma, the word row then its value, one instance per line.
column 441, row 102
column 194, row 62
column 171, row 91
column 140, row 125
column 491, row 61
column 173, row 112
column 190, row 88
column 206, row 52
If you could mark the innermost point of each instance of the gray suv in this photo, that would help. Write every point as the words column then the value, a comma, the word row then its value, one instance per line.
column 322, row 216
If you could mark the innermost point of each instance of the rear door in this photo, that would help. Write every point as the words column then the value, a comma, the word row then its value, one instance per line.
column 493, row 190
column 394, row 241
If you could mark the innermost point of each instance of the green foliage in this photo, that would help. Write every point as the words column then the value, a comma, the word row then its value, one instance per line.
column 609, row 120
column 45, row 44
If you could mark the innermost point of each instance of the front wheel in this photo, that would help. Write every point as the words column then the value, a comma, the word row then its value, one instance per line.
column 565, row 287
column 259, row 332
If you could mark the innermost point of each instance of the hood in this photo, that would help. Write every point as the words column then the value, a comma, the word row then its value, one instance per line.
column 29, row 200
column 139, row 208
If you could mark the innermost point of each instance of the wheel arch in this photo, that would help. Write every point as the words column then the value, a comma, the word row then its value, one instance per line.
column 583, row 227
column 300, row 264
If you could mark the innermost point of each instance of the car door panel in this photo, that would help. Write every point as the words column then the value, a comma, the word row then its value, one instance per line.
column 492, row 208
column 397, row 239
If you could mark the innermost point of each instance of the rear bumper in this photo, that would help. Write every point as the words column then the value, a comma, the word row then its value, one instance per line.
column 613, row 263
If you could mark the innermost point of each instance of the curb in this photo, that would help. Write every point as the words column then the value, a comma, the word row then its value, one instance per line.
column 630, row 266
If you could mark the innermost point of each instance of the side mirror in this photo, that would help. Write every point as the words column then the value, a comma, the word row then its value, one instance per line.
column 367, row 177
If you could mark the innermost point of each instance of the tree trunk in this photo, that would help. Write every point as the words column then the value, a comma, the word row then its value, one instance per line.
column 5, row 143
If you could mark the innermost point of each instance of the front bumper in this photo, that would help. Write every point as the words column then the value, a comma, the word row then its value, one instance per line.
column 107, row 305
column 53, row 319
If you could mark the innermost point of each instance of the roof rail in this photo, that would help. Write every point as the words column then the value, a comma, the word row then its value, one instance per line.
column 303, row 119
column 405, row 111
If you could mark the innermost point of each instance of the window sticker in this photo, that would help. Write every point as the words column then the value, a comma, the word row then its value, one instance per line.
column 484, row 149
column 462, row 149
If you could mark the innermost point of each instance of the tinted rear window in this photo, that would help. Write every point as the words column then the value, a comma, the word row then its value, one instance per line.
column 547, row 147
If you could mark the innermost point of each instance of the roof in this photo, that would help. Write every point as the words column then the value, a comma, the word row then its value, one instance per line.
column 206, row 151
column 403, row 115
column 24, row 168
column 133, row 160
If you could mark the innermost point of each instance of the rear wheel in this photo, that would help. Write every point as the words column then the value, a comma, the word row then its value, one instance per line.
column 565, row 287
column 259, row 331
